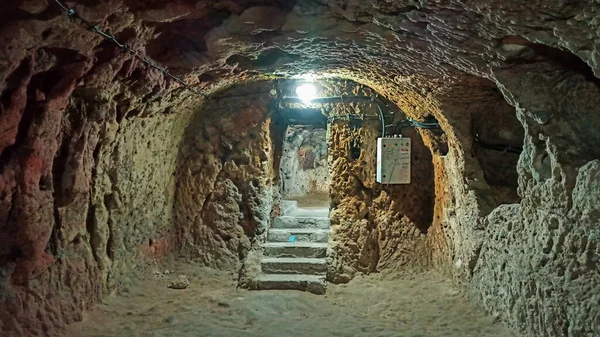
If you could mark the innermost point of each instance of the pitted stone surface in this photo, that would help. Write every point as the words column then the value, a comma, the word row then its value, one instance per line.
column 303, row 168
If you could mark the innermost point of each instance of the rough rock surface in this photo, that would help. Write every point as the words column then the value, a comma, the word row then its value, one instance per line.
column 89, row 139
column 376, row 227
column 92, row 203
column 539, row 265
column 303, row 168
column 224, row 193
column 180, row 283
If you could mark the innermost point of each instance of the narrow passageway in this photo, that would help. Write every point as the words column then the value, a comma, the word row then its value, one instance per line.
column 415, row 304
column 299, row 168
column 304, row 174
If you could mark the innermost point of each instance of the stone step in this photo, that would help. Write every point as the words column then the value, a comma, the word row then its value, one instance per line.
column 295, row 249
column 286, row 265
column 317, row 212
column 300, row 234
column 312, row 283
column 300, row 222
column 288, row 206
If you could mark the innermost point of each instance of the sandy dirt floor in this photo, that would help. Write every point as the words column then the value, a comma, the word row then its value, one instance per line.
column 416, row 305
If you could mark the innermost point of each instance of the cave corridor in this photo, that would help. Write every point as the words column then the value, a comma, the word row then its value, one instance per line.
column 300, row 168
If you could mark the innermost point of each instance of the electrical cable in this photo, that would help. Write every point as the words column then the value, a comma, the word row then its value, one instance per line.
column 405, row 123
column 421, row 125
column 73, row 15
column 278, row 103
column 352, row 117
column 333, row 99
column 424, row 125
column 498, row 147
column 382, row 120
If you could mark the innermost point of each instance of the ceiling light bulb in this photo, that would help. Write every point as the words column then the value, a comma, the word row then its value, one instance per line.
column 306, row 92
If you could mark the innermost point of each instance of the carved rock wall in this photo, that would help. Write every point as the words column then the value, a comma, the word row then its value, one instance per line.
column 303, row 168
column 376, row 227
column 539, row 267
column 108, row 208
column 225, row 181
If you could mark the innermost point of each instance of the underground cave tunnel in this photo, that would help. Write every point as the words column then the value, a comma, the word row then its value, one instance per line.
column 299, row 168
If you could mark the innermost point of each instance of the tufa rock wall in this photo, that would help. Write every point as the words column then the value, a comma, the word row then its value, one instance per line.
column 224, row 194
column 534, row 263
column 108, row 186
column 303, row 168
column 539, row 265
column 376, row 227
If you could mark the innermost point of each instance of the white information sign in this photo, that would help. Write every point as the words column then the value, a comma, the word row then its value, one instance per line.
column 393, row 160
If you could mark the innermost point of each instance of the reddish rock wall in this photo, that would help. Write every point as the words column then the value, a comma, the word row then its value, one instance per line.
column 108, row 208
column 83, row 199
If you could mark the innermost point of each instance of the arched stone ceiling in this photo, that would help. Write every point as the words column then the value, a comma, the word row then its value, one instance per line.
column 390, row 45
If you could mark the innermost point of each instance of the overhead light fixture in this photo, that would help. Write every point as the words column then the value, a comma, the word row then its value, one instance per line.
column 306, row 92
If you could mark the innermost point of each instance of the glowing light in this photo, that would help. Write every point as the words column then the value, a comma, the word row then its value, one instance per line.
column 309, row 77
column 306, row 92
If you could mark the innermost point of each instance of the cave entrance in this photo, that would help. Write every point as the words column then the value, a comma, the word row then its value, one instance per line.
column 303, row 169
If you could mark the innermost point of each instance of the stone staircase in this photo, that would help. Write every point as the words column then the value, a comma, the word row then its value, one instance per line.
column 294, row 256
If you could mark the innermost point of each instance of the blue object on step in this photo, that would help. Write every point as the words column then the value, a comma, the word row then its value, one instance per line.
column 292, row 238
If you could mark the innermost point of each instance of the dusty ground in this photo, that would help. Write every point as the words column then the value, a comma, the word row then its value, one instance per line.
column 418, row 305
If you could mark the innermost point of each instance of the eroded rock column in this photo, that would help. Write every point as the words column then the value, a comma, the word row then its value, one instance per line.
column 224, row 192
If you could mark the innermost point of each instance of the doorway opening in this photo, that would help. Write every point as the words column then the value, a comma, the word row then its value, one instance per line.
column 304, row 173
